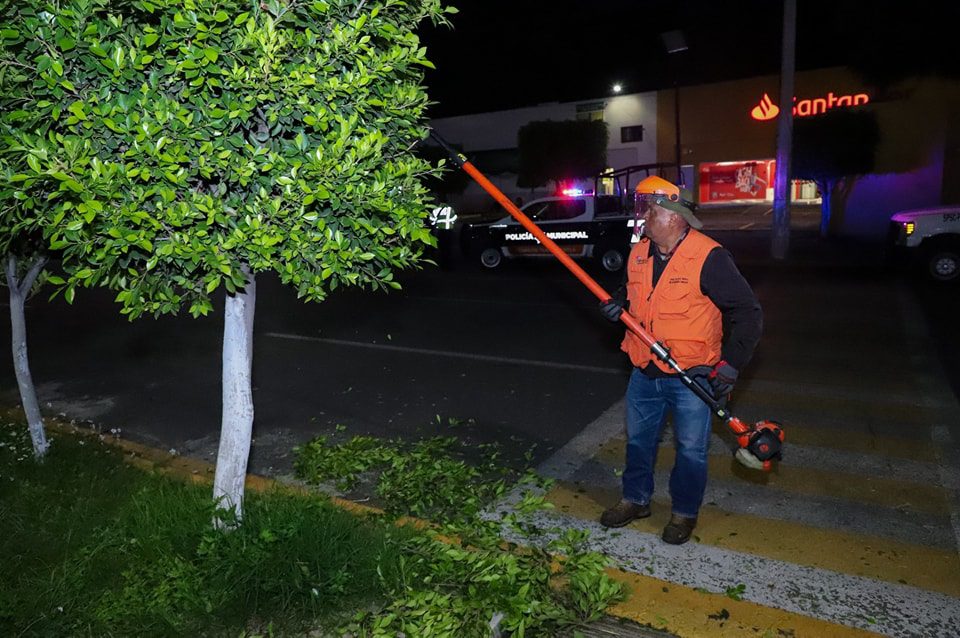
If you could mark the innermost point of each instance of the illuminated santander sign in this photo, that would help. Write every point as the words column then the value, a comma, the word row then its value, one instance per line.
column 767, row 110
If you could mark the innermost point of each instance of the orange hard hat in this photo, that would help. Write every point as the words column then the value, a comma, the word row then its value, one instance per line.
column 668, row 195
column 654, row 185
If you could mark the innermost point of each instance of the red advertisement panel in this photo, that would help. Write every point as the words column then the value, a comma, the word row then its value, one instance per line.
column 728, row 182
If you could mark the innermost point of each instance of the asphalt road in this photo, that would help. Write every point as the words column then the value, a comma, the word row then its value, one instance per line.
column 519, row 356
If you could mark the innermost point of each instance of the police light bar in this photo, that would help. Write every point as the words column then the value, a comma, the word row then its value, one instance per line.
column 575, row 192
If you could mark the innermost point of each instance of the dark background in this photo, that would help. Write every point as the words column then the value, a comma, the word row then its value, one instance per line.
column 509, row 53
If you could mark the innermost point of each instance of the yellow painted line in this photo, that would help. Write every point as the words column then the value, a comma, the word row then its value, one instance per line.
column 917, row 497
column 185, row 468
column 689, row 613
column 855, row 554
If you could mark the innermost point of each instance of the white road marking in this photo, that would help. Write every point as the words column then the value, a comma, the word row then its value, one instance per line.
column 453, row 355
column 891, row 609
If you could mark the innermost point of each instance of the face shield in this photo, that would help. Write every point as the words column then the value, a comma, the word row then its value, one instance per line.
column 643, row 202
column 641, row 206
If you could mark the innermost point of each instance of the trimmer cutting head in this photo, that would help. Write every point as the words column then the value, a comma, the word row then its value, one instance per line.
column 747, row 459
column 759, row 444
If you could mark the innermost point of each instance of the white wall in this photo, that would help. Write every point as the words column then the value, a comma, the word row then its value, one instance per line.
column 497, row 130
column 632, row 110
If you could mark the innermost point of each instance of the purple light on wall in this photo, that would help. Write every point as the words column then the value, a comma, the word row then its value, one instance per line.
column 875, row 198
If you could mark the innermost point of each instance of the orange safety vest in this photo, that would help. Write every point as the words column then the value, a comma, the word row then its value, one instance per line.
column 676, row 312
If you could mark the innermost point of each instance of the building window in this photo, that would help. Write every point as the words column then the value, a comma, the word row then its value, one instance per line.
column 631, row 134
column 590, row 111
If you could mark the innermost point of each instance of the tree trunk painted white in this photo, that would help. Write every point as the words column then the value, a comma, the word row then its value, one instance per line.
column 237, row 421
column 19, row 290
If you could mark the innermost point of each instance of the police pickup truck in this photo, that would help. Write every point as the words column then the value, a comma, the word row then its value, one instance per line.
column 933, row 236
column 583, row 225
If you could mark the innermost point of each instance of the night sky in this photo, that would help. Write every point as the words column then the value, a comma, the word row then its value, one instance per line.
column 508, row 53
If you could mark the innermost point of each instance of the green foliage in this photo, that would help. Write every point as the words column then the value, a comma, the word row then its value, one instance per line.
column 166, row 146
column 422, row 479
column 451, row 180
column 735, row 592
column 453, row 588
column 561, row 150
column 427, row 482
column 99, row 548
column 318, row 462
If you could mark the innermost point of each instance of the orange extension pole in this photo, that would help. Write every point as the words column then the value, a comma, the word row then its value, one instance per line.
column 541, row 236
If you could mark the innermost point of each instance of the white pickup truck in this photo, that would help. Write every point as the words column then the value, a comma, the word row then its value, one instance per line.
column 933, row 236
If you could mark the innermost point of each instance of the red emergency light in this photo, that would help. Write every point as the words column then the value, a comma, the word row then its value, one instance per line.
column 575, row 192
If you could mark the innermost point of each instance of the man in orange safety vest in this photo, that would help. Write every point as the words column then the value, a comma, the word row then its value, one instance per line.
column 684, row 289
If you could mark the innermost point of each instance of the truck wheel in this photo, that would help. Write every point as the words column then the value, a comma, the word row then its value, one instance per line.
column 944, row 264
column 491, row 257
column 611, row 259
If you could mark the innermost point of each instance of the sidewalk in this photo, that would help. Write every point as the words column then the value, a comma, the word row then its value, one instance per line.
column 856, row 531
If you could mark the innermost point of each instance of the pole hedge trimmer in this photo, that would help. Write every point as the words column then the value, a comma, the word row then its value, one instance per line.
column 759, row 444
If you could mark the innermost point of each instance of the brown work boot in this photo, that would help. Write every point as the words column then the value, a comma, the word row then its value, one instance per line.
column 678, row 530
column 622, row 513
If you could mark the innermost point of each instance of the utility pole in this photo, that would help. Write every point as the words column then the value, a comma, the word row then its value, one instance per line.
column 676, row 123
column 780, row 243
column 674, row 42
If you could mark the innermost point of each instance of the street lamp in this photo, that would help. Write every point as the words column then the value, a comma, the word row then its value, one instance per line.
column 617, row 88
column 674, row 42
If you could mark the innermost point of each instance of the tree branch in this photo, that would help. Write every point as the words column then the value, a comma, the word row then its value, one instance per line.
column 12, row 273
column 35, row 269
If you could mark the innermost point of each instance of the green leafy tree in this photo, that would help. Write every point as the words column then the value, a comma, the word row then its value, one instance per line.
column 199, row 143
column 23, row 193
column 557, row 151
column 833, row 150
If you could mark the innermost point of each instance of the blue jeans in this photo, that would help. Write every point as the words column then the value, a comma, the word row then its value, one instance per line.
column 648, row 402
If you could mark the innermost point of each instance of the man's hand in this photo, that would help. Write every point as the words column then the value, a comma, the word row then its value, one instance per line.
column 611, row 309
column 701, row 376
column 722, row 377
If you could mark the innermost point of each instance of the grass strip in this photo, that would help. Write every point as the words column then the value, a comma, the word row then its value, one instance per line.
column 91, row 546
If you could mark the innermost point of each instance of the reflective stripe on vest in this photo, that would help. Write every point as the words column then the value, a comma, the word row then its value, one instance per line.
column 676, row 312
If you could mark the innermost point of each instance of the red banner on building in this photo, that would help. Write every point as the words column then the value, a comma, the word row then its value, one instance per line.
column 731, row 182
